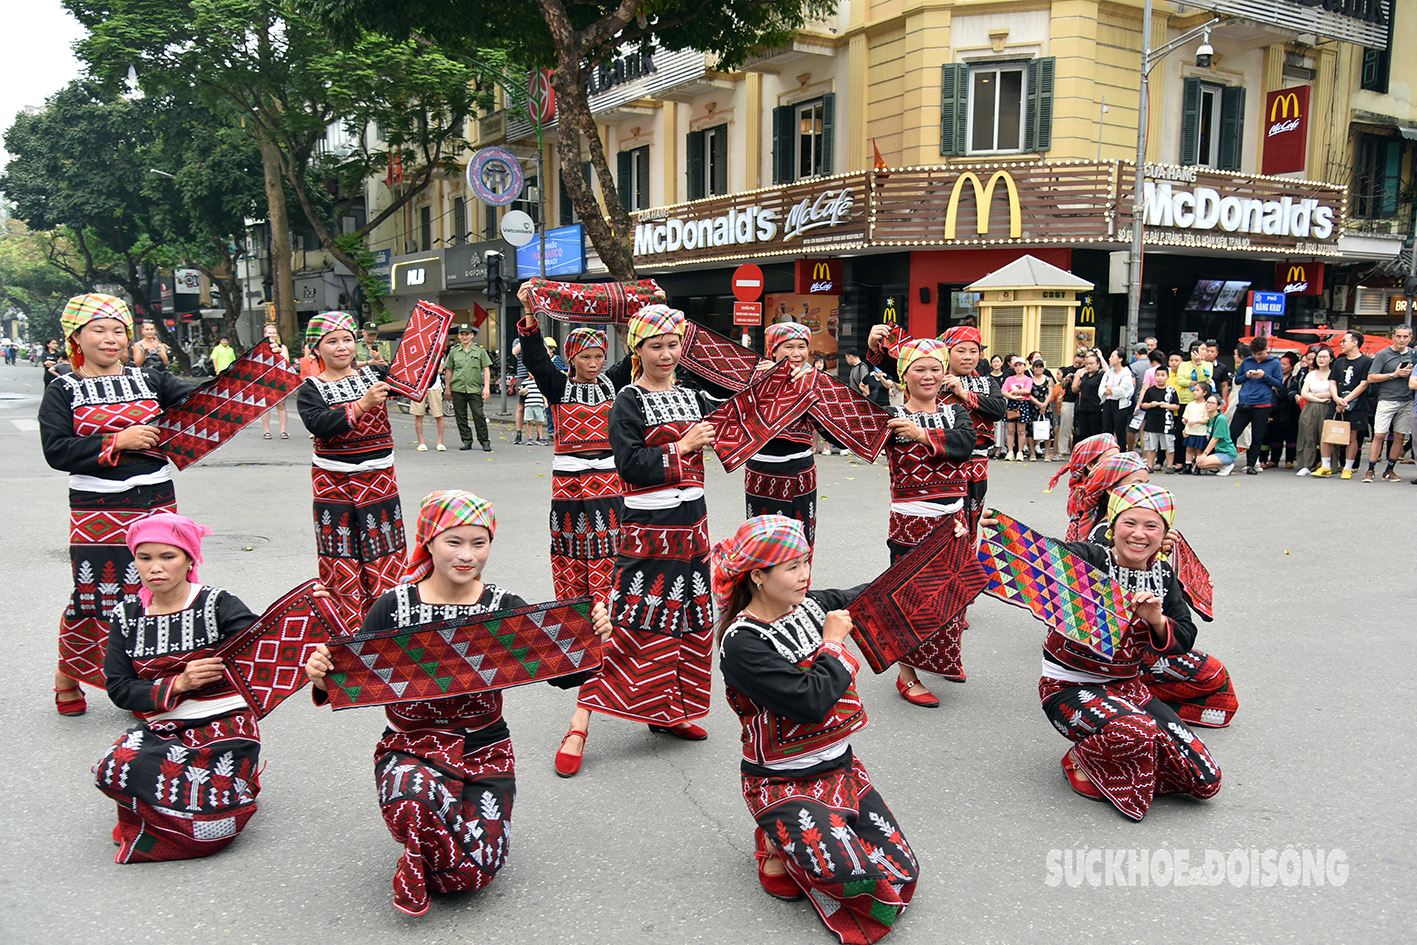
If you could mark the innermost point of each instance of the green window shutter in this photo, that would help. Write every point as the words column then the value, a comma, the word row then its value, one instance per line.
column 1038, row 115
column 719, row 184
column 642, row 179
column 623, row 183
column 1191, row 121
column 828, row 122
column 783, row 153
column 1391, row 169
column 568, row 212
column 694, row 164
column 954, row 112
column 1232, row 127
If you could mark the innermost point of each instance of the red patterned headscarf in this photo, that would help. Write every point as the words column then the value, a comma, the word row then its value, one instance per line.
column 168, row 528
column 780, row 332
column 439, row 512
column 83, row 309
column 1084, row 454
column 963, row 333
column 1103, row 478
column 579, row 339
column 760, row 542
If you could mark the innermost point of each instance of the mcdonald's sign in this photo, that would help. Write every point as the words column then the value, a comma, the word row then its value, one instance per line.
column 1286, row 130
column 889, row 316
column 819, row 277
column 1304, row 278
column 983, row 203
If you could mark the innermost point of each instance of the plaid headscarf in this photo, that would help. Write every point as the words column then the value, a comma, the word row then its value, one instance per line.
column 651, row 322
column 911, row 351
column 779, row 332
column 1103, row 478
column 1084, row 454
column 439, row 512
column 962, row 333
column 83, row 309
column 760, row 542
column 326, row 322
column 168, row 528
column 1143, row 495
column 580, row 339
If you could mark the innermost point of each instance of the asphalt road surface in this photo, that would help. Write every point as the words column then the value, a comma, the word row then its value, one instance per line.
column 653, row 842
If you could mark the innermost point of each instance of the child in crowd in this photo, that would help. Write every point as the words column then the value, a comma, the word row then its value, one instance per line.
column 535, row 404
column 1195, row 421
column 1160, row 406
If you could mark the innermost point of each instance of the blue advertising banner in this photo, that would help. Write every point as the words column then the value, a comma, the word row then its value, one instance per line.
column 1269, row 303
column 565, row 253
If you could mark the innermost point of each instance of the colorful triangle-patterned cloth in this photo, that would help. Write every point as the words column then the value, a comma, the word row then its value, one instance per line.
column 1193, row 577
column 420, row 352
column 916, row 596
column 215, row 411
column 266, row 661
column 1032, row 571
column 759, row 412
column 465, row 655
column 600, row 303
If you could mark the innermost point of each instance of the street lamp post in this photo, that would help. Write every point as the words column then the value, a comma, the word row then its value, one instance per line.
column 1149, row 59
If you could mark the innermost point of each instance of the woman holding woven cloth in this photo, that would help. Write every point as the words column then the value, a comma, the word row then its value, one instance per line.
column 822, row 828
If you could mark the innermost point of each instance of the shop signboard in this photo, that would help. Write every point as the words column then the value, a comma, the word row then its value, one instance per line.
column 1302, row 278
column 1286, row 130
column 748, row 314
column 819, row 276
column 565, row 253
column 466, row 264
column 1269, row 304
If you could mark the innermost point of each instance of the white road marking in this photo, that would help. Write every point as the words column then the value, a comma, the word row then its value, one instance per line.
column 27, row 425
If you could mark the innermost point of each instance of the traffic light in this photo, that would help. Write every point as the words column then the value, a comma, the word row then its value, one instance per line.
column 496, row 285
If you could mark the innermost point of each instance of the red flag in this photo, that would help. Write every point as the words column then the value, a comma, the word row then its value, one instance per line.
column 479, row 315
column 882, row 171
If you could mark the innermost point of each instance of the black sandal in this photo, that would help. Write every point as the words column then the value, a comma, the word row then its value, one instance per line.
column 265, row 436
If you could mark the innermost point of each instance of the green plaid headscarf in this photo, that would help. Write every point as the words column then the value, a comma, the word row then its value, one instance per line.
column 439, row 512
column 83, row 309
column 651, row 322
column 326, row 322
column 1142, row 495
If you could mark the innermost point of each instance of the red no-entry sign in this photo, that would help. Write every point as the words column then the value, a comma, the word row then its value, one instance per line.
column 747, row 283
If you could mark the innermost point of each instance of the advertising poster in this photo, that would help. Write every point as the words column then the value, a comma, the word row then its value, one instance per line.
column 818, row 312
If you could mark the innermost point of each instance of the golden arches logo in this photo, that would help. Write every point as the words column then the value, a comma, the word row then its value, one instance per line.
column 889, row 316
column 821, row 272
column 1087, row 316
column 983, row 199
column 1297, row 274
column 1282, row 104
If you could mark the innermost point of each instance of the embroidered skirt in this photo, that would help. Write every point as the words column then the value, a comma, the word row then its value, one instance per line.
column 586, row 509
column 840, row 843
column 451, row 809
column 788, row 489
column 104, row 573
column 1195, row 685
column 655, row 666
column 1129, row 743
column 184, row 788
column 359, row 536
column 941, row 652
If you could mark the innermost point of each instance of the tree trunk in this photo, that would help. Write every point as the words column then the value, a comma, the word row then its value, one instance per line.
column 282, row 278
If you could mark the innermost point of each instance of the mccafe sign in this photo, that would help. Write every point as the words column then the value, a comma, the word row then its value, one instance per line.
column 1286, row 130
column 827, row 212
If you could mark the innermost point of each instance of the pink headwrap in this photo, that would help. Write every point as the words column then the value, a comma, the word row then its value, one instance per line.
column 168, row 528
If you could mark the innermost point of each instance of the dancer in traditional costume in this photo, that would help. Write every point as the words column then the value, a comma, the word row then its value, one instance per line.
column 1085, row 455
column 1130, row 746
column 1195, row 684
column 359, row 534
column 444, row 769
column 931, row 442
column 781, row 479
column 822, row 827
column 586, row 503
column 656, row 665
column 94, row 424
column 186, row 779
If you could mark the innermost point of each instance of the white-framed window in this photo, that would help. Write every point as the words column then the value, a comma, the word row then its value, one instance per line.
column 811, row 137
column 996, row 107
column 1208, row 127
column 633, row 174
column 803, row 139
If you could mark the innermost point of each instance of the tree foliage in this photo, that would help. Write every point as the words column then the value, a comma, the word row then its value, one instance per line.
column 573, row 37
column 37, row 276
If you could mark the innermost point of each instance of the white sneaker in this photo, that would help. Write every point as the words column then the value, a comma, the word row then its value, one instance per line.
column 442, row 448
column 422, row 447
column 1305, row 471
column 826, row 450
column 1226, row 470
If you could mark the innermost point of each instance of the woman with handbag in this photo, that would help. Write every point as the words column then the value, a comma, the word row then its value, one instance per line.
column 1314, row 396
column 1037, row 408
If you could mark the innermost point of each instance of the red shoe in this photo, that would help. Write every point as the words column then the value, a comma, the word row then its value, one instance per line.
column 567, row 764
column 117, row 835
column 925, row 700
column 71, row 706
column 1079, row 781
column 687, row 731
column 781, row 886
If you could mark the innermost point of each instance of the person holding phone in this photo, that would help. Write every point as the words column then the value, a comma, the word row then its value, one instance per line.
column 1389, row 376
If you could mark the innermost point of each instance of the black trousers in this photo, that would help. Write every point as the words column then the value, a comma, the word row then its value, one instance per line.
column 1258, row 419
column 1089, row 423
column 463, row 401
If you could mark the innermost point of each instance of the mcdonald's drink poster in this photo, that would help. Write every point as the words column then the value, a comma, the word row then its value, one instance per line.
column 1286, row 130
column 818, row 312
